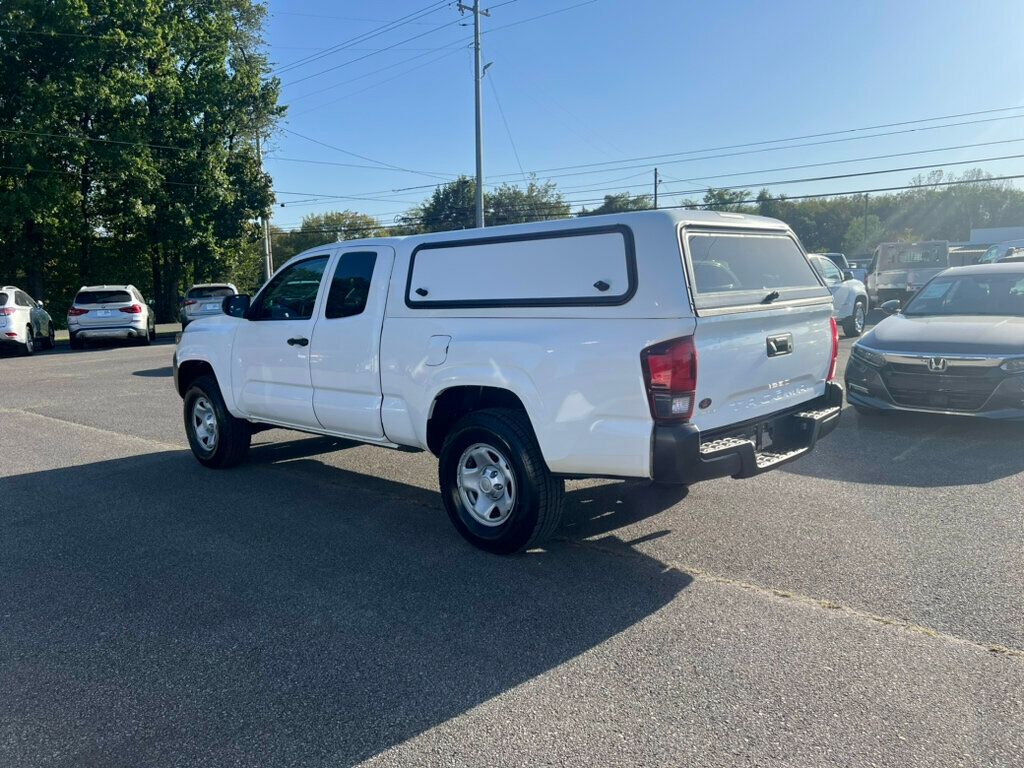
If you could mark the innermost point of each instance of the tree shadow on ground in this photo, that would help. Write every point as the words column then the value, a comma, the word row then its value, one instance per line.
column 159, row 613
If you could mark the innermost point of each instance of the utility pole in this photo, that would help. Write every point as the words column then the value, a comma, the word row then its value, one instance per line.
column 656, row 183
column 268, row 260
column 865, row 243
column 477, row 76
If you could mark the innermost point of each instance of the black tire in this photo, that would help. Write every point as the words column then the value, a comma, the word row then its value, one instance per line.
column 74, row 342
column 538, row 499
column 233, row 436
column 184, row 325
column 29, row 347
column 51, row 338
column 853, row 326
column 152, row 333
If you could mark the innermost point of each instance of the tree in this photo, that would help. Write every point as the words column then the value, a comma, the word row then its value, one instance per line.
column 857, row 240
column 620, row 203
column 129, row 148
column 452, row 206
column 726, row 199
column 319, row 228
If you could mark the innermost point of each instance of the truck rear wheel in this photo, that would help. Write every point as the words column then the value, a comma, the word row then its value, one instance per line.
column 496, row 487
column 218, row 440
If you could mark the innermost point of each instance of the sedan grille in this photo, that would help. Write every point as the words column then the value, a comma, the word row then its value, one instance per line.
column 964, row 388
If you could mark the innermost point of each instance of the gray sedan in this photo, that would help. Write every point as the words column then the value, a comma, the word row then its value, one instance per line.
column 957, row 347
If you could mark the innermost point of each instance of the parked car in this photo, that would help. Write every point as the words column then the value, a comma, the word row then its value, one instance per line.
column 957, row 347
column 999, row 251
column 204, row 300
column 838, row 259
column 525, row 354
column 898, row 270
column 1012, row 254
column 23, row 321
column 849, row 296
column 859, row 268
column 110, row 312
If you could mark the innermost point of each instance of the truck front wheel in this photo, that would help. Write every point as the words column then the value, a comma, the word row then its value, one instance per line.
column 496, row 487
column 218, row 440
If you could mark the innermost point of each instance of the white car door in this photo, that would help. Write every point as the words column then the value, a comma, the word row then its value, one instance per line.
column 833, row 278
column 270, row 360
column 345, row 349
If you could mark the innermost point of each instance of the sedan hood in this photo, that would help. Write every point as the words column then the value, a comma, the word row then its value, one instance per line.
column 958, row 334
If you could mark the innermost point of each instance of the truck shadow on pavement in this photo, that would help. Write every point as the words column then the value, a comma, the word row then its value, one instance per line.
column 158, row 613
column 915, row 450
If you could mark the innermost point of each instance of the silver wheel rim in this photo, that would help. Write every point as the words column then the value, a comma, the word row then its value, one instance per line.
column 487, row 484
column 858, row 317
column 204, row 423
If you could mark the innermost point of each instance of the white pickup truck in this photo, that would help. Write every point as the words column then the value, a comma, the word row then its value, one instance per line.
column 675, row 346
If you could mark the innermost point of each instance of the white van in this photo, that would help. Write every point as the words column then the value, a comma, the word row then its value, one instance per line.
column 670, row 345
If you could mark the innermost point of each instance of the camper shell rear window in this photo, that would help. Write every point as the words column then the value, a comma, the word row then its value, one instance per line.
column 732, row 269
column 568, row 267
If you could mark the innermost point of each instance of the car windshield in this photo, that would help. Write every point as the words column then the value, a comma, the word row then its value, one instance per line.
column 215, row 292
column 102, row 297
column 998, row 294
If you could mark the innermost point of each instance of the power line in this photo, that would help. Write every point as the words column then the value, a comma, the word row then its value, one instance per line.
column 798, row 138
column 93, row 138
column 362, row 157
column 453, row 48
column 387, row 27
column 365, row 56
column 508, row 130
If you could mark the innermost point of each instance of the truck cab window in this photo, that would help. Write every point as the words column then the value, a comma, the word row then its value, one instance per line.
column 350, row 286
column 291, row 294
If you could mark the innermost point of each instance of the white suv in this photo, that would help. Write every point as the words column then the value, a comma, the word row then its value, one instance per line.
column 23, row 321
column 675, row 346
column 110, row 312
column 204, row 300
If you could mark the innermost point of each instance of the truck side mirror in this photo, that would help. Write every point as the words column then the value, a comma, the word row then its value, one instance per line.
column 847, row 275
column 236, row 306
column 891, row 307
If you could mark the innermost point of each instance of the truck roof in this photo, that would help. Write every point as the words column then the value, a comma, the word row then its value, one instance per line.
column 677, row 216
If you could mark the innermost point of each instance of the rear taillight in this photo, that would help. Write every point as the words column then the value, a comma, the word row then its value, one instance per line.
column 75, row 312
column 190, row 302
column 670, row 375
column 7, row 311
column 835, row 349
column 134, row 309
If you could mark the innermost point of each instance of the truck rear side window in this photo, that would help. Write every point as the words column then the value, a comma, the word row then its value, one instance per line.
column 736, row 269
column 567, row 267
column 350, row 286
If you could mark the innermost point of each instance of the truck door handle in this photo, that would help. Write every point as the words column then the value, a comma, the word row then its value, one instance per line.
column 299, row 342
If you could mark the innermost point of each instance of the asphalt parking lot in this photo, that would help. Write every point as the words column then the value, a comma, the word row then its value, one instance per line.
column 314, row 607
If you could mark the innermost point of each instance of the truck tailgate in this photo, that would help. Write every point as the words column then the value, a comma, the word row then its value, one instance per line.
column 751, row 364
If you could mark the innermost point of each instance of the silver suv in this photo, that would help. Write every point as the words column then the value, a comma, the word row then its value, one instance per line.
column 204, row 300
column 110, row 312
column 23, row 321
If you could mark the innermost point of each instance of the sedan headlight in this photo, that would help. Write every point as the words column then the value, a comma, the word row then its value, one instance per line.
column 866, row 355
column 1013, row 366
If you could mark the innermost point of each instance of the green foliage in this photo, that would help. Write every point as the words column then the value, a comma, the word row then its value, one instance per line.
column 857, row 241
column 620, row 203
column 453, row 206
column 128, row 146
column 319, row 228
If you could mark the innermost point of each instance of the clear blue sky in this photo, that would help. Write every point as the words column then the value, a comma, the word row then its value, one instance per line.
column 612, row 80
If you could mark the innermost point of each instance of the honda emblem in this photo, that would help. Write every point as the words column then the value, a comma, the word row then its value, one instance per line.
column 937, row 364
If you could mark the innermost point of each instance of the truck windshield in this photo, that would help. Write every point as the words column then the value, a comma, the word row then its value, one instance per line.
column 734, row 269
column 1000, row 294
